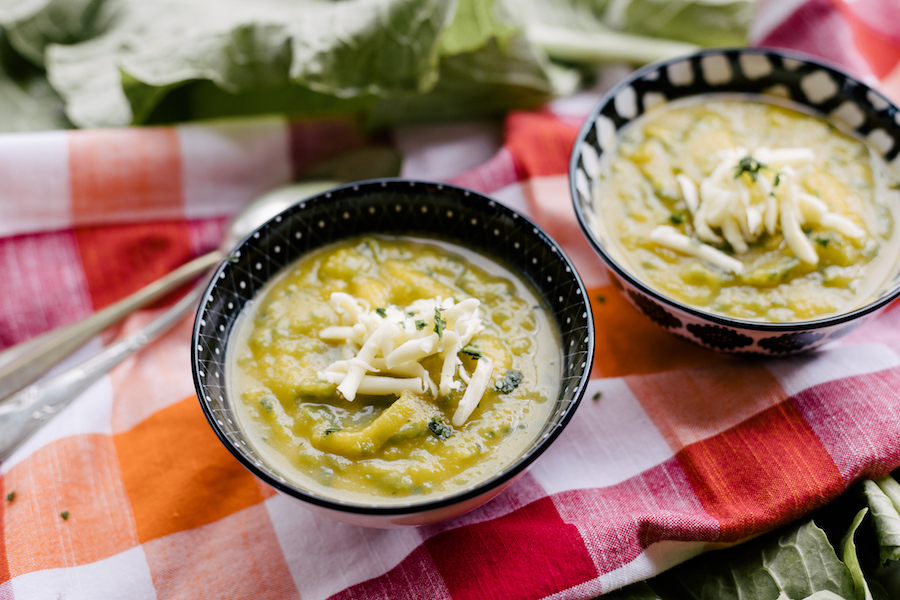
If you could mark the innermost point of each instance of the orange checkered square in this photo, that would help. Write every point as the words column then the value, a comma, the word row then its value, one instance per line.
column 77, row 475
column 179, row 475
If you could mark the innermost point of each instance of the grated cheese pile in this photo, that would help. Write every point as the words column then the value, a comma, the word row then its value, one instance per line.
column 391, row 342
column 772, row 199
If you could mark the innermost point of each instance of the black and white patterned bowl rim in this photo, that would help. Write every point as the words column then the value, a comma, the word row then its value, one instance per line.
column 390, row 207
column 835, row 96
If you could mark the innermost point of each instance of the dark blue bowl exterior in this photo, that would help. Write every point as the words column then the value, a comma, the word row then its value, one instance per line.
column 390, row 207
column 798, row 78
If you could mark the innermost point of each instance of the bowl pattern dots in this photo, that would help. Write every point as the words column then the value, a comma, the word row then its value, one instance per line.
column 390, row 207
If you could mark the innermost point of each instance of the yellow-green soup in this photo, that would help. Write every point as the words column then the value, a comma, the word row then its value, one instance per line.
column 391, row 448
column 797, row 264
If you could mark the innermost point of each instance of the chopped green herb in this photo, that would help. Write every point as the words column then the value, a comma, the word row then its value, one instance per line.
column 410, row 314
column 511, row 381
column 676, row 218
column 472, row 351
column 440, row 324
column 777, row 178
column 11, row 496
column 268, row 403
column 381, row 312
column 749, row 165
column 65, row 515
column 420, row 325
column 439, row 428
column 331, row 430
column 601, row 299
column 597, row 396
column 822, row 241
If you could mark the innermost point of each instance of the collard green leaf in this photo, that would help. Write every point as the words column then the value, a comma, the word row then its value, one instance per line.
column 474, row 85
column 115, row 62
column 703, row 22
column 793, row 563
column 851, row 560
column 474, row 24
column 27, row 102
column 638, row 591
column 33, row 24
column 885, row 518
column 342, row 49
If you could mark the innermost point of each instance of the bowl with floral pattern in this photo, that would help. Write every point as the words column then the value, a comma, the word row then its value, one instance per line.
column 744, row 199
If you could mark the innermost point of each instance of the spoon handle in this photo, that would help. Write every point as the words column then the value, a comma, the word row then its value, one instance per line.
column 25, row 412
column 23, row 363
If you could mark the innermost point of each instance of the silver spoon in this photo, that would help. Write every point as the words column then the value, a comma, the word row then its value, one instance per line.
column 24, row 412
column 24, row 363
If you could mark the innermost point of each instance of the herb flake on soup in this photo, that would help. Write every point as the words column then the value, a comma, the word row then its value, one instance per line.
column 748, row 209
column 383, row 368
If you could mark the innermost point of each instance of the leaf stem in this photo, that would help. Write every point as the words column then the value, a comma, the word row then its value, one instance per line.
column 594, row 47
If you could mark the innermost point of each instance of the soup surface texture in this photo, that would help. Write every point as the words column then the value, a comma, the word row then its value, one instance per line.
column 748, row 209
column 383, row 369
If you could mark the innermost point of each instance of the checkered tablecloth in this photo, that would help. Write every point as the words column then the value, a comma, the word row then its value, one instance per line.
column 674, row 451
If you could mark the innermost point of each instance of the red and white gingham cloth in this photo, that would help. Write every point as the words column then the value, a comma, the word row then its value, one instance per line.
column 685, row 450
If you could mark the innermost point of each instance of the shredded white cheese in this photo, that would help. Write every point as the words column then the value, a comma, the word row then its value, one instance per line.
column 478, row 383
column 391, row 342
column 742, row 210
column 670, row 237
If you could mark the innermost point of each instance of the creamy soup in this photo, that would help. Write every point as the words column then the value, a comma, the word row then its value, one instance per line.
column 383, row 369
column 748, row 209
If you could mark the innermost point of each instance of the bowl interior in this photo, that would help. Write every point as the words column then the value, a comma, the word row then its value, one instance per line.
column 392, row 207
column 835, row 96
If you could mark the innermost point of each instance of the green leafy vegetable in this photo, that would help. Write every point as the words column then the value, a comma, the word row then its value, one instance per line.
column 116, row 62
column 794, row 563
column 472, row 351
column 676, row 218
column 439, row 428
column 749, row 165
column 885, row 517
column 420, row 325
column 65, row 515
column 440, row 324
column 511, row 380
column 27, row 101
column 381, row 312
column 11, row 496
column 848, row 547
column 703, row 22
